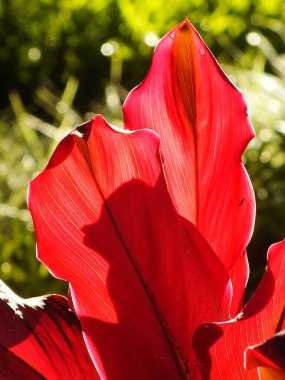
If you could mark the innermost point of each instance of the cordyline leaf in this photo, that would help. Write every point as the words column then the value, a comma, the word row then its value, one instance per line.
column 202, row 121
column 221, row 346
column 141, row 277
column 40, row 338
column 269, row 356
column 12, row 367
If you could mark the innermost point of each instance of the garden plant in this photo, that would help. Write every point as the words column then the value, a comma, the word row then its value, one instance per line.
column 149, row 224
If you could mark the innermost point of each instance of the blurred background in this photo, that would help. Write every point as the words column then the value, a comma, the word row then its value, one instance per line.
column 61, row 61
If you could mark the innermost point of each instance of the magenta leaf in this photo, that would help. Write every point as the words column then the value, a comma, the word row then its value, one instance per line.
column 269, row 356
column 139, row 274
column 221, row 346
column 202, row 121
column 40, row 338
column 12, row 367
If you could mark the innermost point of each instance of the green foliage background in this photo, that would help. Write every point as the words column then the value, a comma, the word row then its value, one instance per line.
column 61, row 61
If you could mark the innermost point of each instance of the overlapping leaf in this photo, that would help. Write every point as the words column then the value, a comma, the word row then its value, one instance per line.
column 221, row 346
column 202, row 120
column 140, row 274
column 269, row 356
column 40, row 338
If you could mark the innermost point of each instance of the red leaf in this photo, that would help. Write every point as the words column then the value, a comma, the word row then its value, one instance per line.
column 221, row 346
column 239, row 275
column 41, row 338
column 269, row 356
column 139, row 274
column 12, row 367
column 202, row 121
